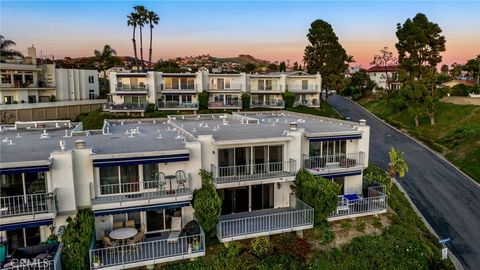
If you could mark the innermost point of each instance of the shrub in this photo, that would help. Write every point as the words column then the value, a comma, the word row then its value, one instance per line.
column 150, row 108
column 377, row 223
column 77, row 238
column 318, row 192
column 289, row 99
column 345, row 224
column 327, row 235
column 261, row 246
column 289, row 244
column 460, row 90
column 361, row 225
column 203, row 100
column 245, row 100
column 207, row 205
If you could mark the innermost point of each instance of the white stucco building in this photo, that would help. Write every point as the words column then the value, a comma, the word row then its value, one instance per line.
column 132, row 92
column 26, row 81
column 141, row 174
column 384, row 77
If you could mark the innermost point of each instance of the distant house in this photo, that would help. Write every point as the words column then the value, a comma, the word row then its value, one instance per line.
column 380, row 74
column 455, row 82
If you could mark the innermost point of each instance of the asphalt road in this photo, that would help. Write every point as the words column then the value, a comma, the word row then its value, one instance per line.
column 448, row 200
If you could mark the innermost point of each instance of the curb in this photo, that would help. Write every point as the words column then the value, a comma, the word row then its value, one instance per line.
column 458, row 265
column 452, row 256
column 419, row 142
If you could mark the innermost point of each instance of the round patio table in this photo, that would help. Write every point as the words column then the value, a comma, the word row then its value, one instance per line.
column 123, row 234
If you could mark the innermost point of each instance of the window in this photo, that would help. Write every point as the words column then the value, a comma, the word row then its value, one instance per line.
column 7, row 99
column 28, row 79
column 91, row 79
column 109, row 180
column 23, row 238
column 261, row 85
column 6, row 78
column 160, row 220
column 32, row 99
column 304, row 84
column 149, row 175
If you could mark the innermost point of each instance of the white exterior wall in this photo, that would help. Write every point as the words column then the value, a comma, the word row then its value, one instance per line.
column 62, row 177
column 353, row 184
column 84, row 175
column 73, row 84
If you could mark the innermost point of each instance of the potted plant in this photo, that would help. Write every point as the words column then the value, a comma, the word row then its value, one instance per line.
column 53, row 238
column 96, row 261
column 196, row 244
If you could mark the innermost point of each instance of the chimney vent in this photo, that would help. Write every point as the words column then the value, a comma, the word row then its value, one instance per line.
column 80, row 144
column 293, row 126
column 363, row 122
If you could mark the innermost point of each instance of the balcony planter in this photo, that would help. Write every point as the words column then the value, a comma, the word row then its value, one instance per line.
column 96, row 262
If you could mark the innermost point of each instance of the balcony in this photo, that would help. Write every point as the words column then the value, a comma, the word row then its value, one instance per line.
column 131, row 89
column 27, row 257
column 274, row 104
column 231, row 88
column 176, row 105
column 125, row 107
column 299, row 88
column 181, row 88
column 328, row 164
column 232, row 104
column 298, row 216
column 231, row 176
column 139, row 193
column 372, row 202
column 266, row 89
column 152, row 251
column 308, row 103
column 28, row 207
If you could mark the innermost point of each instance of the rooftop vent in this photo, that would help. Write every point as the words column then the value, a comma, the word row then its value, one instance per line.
column 293, row 126
column 80, row 144
column 62, row 145
column 363, row 122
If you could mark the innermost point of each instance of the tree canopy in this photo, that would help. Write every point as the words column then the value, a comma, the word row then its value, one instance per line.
column 325, row 55
column 419, row 46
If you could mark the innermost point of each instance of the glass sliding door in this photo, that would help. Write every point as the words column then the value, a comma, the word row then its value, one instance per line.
column 155, row 221
column 149, row 180
column 129, row 178
column 259, row 158
column 11, row 184
column 109, row 177
column 262, row 197
column 275, row 158
column 242, row 160
column 35, row 183
column 234, row 200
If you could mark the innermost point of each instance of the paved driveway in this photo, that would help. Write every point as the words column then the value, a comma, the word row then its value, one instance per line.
column 447, row 199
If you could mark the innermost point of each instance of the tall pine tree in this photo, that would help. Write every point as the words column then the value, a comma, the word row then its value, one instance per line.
column 325, row 55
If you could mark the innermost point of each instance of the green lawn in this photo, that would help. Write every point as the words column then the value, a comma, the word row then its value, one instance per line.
column 456, row 133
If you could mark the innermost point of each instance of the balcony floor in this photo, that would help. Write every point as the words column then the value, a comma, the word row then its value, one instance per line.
column 155, row 252
column 262, row 222
column 125, row 197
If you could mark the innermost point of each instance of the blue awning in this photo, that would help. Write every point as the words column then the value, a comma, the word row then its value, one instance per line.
column 27, row 224
column 32, row 169
column 140, row 160
column 140, row 208
column 335, row 138
column 339, row 174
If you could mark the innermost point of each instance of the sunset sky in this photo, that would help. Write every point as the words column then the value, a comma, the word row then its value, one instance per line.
column 271, row 30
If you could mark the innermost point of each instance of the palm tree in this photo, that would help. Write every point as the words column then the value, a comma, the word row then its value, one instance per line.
column 142, row 13
column 5, row 50
column 396, row 166
column 153, row 19
column 133, row 19
column 105, row 58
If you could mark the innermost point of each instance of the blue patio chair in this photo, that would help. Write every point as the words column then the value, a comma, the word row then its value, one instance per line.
column 181, row 179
